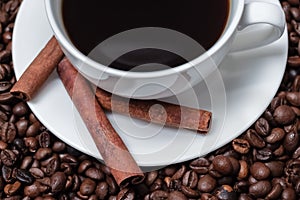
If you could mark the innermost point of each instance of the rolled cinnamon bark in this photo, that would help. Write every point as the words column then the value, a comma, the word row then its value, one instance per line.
column 158, row 112
column 38, row 71
column 114, row 152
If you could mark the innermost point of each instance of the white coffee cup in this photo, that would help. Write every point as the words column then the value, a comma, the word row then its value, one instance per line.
column 172, row 81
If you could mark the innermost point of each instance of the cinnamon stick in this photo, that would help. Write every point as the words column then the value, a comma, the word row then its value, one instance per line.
column 38, row 71
column 114, row 152
column 156, row 111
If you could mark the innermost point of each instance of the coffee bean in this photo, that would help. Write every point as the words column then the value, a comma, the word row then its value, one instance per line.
column 87, row 187
column 126, row 194
column 260, row 189
column 276, row 168
column 12, row 189
column 284, row 115
column 58, row 146
column 8, row 157
column 24, row 176
column 112, row 185
column 8, row 132
column 35, row 189
column 254, row 139
column 94, row 173
column 275, row 192
column 244, row 170
column 31, row 143
column 288, row 194
column 207, row 183
column 200, row 165
column 208, row 196
column 225, row 192
column 176, row 195
column 190, row 179
column 245, row 197
column 44, row 139
column 36, row 172
column 43, row 153
column 51, row 165
column 21, row 127
column 58, row 181
column 3, row 145
column 33, row 129
column 291, row 141
column 102, row 190
column 223, row 165
column 262, row 127
column 179, row 173
column 241, row 146
column 263, row 154
column 189, row 192
column 260, row 171
column 276, row 135
column 159, row 194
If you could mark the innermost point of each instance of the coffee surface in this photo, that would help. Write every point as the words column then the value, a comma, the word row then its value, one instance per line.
column 91, row 22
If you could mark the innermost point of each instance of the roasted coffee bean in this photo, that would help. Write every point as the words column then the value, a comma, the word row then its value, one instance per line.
column 276, row 135
column 102, row 190
column 31, row 143
column 293, row 98
column 159, row 194
column 36, row 172
column 286, row 8
column 33, row 129
column 222, row 164
column 176, row 195
column 262, row 127
column 43, row 153
column 263, row 154
column 244, row 196
column 20, row 109
column 275, row 192
column 284, row 115
column 44, row 139
column 179, row 173
column 94, row 173
column 190, row 179
column 24, row 176
column 291, row 141
column 151, row 177
column 35, row 189
column 260, row 189
column 58, row 181
column 189, row 192
column 254, row 139
column 5, row 86
column 241, row 186
column 5, row 56
column 260, row 171
column 200, row 165
column 244, row 170
column 225, row 192
column 12, row 189
column 207, row 183
column 126, row 194
column 276, row 168
column 58, row 146
column 288, row 194
column 21, row 127
column 8, row 157
column 3, row 145
column 51, row 165
column 241, row 146
column 8, row 132
column 87, row 187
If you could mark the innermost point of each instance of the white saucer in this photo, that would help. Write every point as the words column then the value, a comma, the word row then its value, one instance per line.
column 251, row 80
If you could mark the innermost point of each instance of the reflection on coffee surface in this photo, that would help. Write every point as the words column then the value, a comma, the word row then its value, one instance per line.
column 91, row 22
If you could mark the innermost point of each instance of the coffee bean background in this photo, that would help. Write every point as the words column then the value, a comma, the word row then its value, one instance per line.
column 263, row 163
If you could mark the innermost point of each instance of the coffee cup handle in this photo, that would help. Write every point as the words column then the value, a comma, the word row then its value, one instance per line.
column 259, row 14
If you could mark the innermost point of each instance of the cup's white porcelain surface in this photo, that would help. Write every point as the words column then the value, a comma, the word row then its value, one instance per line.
column 169, row 82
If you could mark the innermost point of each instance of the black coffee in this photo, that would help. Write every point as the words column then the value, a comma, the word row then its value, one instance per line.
column 90, row 22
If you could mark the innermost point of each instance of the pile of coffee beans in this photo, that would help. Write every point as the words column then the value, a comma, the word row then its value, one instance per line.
column 263, row 163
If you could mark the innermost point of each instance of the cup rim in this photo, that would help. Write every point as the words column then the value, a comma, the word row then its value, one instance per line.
column 68, row 46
